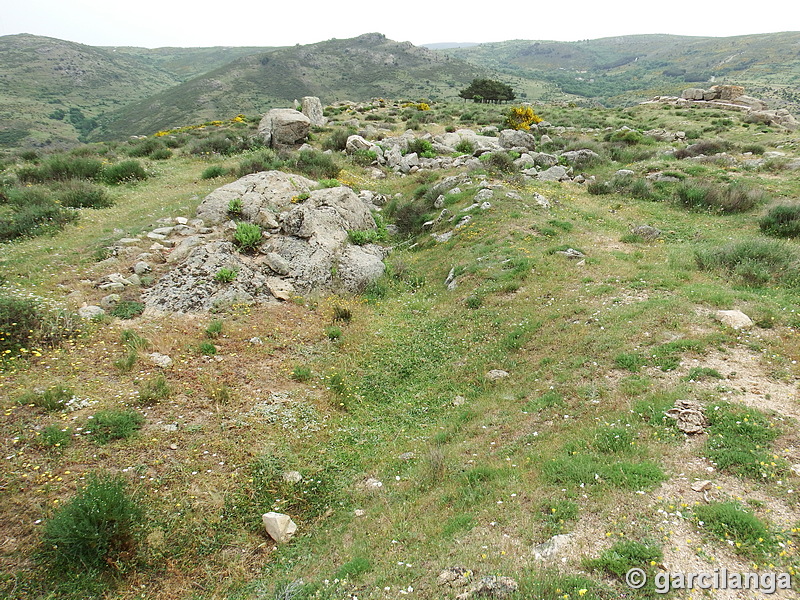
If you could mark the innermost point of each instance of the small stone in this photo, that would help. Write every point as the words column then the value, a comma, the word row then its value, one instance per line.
column 173, row 446
column 552, row 547
column 407, row 456
column 160, row 360
column 141, row 267
column 486, row 206
column 256, row 341
column 496, row 374
column 459, row 401
column 110, row 301
column 181, row 220
column 279, row 527
column 734, row 318
column 90, row 312
column 156, row 236
column 163, row 230
column 701, row 486
column 359, row 512
column 292, row 477
column 112, row 287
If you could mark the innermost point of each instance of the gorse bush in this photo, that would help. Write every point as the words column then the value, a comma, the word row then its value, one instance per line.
column 61, row 167
column 213, row 172
column 782, row 220
column 97, row 529
column 522, row 117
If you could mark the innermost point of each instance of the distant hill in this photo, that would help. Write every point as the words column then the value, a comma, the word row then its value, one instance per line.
column 624, row 70
column 53, row 91
column 448, row 45
column 355, row 69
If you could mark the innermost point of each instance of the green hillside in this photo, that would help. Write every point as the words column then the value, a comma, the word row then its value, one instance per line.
column 356, row 69
column 624, row 70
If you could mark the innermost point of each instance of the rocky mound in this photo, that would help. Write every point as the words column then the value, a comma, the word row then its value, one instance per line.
column 305, row 246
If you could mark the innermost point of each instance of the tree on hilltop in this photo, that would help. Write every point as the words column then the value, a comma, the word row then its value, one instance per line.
column 487, row 90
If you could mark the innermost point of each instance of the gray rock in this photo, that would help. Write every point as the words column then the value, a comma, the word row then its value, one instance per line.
column 110, row 301
column 90, row 312
column 277, row 263
column 279, row 526
column 734, row 318
column 263, row 196
column 556, row 173
column 646, row 232
column 571, row 253
column 292, row 477
column 491, row 587
column 582, row 155
column 510, row 138
column 282, row 127
column 496, row 374
column 484, row 195
column 141, row 267
column 311, row 107
column 552, row 547
column 360, row 265
column 160, row 360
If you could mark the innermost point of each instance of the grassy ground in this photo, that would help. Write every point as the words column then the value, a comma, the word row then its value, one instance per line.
column 473, row 472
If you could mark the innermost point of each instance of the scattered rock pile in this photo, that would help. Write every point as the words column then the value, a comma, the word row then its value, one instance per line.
column 732, row 97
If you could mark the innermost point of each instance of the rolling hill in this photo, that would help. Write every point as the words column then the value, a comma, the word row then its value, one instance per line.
column 354, row 69
column 627, row 69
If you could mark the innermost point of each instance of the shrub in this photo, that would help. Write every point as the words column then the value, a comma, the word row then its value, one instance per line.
column 146, row 147
column 61, row 167
column 235, row 207
column 731, row 521
column 705, row 147
column 262, row 160
column 423, row 148
column 337, row 141
column 52, row 399
column 213, row 172
column 301, row 373
column 364, row 157
column 225, row 275
column 498, row 161
column 207, row 349
column 314, row 164
column 214, row 329
column 224, row 143
column 629, row 137
column 782, row 220
column 465, row 147
column 110, row 425
column 127, row 309
column 82, row 194
column 19, row 320
column 96, row 529
column 54, row 438
column 126, row 171
column 34, row 212
column 153, row 391
column 161, row 154
column 333, row 333
column 735, row 198
column 247, row 236
column 522, row 117
column 755, row 262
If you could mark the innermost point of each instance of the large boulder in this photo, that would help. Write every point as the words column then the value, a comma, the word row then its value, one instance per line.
column 511, row 138
column 308, row 249
column 481, row 143
column 263, row 197
column 282, row 127
column 311, row 107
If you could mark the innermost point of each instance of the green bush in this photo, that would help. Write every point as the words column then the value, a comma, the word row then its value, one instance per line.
column 207, row 349
column 154, row 391
column 213, row 172
column 225, row 143
column 263, row 160
column 247, row 236
column 465, row 146
column 731, row 521
column 214, row 329
column 498, row 161
column 127, row 309
column 52, row 399
column 146, row 147
column 82, row 194
column 314, row 164
column 110, row 425
column 754, row 262
column 782, row 220
column 735, row 198
column 337, row 140
column 54, row 438
column 235, row 207
column 97, row 529
column 19, row 320
column 364, row 157
column 126, row 171
column 34, row 212
column 61, row 167
column 423, row 148
column 225, row 275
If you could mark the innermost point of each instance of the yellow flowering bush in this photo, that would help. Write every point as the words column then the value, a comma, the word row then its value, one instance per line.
column 522, row 117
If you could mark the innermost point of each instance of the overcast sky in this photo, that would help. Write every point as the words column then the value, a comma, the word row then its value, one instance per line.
column 158, row 23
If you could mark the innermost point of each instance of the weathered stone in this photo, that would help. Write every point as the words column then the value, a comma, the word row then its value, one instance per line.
column 110, row 301
column 292, row 477
column 280, row 288
column 284, row 127
column 510, row 138
column 454, row 577
column 579, row 156
column 689, row 416
column 496, row 374
column 491, row 587
column 141, row 267
column 311, row 107
column 552, row 547
column 279, row 527
column 646, row 232
column 277, row 263
column 90, row 312
column 160, row 360
column 734, row 318
column 556, row 173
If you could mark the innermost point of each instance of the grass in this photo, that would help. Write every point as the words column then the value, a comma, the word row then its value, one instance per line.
column 112, row 425
column 574, row 440
column 734, row 524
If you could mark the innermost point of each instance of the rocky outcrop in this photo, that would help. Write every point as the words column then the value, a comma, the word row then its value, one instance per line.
column 305, row 247
column 282, row 127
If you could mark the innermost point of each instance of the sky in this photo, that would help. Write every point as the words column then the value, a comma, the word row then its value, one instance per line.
column 159, row 23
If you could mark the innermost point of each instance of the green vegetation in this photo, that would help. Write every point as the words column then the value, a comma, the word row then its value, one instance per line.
column 247, row 236
column 110, row 425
